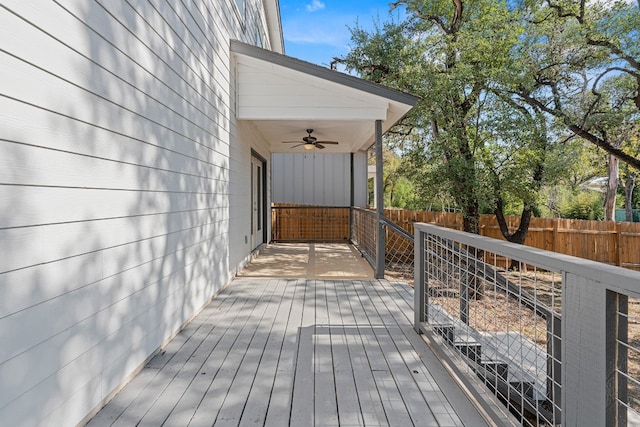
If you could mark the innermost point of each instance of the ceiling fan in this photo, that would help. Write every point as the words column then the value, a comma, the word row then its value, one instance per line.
column 309, row 142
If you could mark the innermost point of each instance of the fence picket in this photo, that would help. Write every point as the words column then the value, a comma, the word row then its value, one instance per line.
column 604, row 241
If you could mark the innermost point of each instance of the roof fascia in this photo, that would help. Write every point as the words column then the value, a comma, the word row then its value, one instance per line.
column 324, row 73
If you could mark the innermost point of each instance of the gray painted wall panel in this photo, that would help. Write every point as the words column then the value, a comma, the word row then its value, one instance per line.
column 318, row 179
column 124, row 190
column 361, row 191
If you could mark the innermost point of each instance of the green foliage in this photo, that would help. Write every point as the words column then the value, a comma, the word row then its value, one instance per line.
column 579, row 63
column 510, row 93
column 584, row 205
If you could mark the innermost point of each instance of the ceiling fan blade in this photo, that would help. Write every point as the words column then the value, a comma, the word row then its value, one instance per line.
column 320, row 146
column 299, row 145
column 328, row 142
column 290, row 142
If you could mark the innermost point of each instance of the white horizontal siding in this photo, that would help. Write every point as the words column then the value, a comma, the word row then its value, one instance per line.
column 123, row 177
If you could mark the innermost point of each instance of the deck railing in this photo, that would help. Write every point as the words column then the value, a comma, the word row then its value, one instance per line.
column 398, row 247
column 398, row 253
column 554, row 337
column 363, row 232
column 615, row 243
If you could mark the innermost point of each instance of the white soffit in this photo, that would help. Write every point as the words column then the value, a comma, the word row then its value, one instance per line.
column 283, row 96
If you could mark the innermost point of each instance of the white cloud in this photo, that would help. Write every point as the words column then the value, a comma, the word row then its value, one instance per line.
column 320, row 33
column 315, row 5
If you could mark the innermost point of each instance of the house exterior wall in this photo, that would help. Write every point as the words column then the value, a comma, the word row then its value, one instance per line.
column 360, row 179
column 318, row 179
column 124, row 188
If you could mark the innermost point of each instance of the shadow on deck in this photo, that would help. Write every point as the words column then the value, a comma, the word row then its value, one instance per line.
column 288, row 351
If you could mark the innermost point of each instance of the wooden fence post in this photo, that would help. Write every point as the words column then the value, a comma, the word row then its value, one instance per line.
column 618, row 254
column 554, row 244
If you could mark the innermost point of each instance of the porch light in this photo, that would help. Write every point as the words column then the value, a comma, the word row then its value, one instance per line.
column 308, row 146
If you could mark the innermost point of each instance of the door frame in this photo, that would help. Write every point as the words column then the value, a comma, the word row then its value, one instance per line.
column 263, row 191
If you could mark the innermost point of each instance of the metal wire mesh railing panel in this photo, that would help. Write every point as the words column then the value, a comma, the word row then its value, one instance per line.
column 309, row 223
column 364, row 233
column 627, row 363
column 505, row 323
column 398, row 253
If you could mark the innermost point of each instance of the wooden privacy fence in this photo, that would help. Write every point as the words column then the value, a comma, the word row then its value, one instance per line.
column 295, row 223
column 616, row 243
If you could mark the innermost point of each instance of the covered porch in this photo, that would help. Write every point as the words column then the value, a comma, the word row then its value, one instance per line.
column 302, row 351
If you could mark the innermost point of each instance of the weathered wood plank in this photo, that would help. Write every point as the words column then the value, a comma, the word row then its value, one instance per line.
column 326, row 407
column 232, row 407
column 446, row 400
column 370, row 401
column 406, row 367
column 133, row 390
column 297, row 352
column 349, row 410
column 227, row 363
column 177, row 358
column 302, row 406
column 256, row 407
column 282, row 393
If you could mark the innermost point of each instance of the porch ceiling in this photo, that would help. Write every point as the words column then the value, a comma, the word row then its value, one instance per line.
column 283, row 96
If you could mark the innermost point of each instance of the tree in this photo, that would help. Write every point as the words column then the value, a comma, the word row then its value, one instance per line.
column 446, row 52
column 516, row 161
column 397, row 188
column 630, row 177
column 579, row 61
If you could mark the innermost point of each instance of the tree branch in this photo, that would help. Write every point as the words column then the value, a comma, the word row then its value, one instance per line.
column 561, row 11
column 619, row 153
column 581, row 132
column 473, row 96
column 456, row 22
column 439, row 22
column 615, row 49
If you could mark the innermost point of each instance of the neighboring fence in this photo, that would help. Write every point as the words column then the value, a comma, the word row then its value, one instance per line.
column 559, row 343
column 615, row 243
column 294, row 223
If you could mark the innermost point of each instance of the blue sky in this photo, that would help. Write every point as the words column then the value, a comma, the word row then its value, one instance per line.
column 316, row 30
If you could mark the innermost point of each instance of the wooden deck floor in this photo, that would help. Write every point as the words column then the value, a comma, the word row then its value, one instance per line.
column 297, row 352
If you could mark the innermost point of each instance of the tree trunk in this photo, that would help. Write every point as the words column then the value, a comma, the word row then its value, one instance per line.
column 518, row 236
column 471, row 218
column 629, row 185
column 612, row 188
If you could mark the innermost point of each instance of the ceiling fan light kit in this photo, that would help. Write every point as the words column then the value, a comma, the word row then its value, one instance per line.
column 310, row 142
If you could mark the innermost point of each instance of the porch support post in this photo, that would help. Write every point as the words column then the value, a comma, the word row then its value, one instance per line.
column 380, row 247
column 352, row 200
